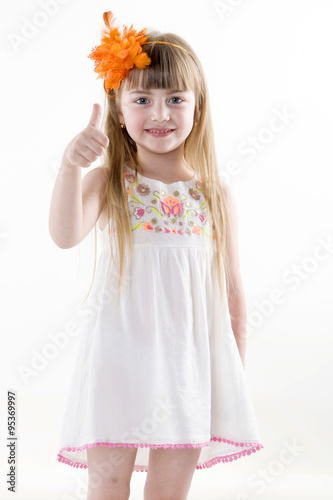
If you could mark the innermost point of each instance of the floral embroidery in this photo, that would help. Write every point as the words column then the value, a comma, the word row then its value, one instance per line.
column 147, row 226
column 139, row 212
column 171, row 205
column 130, row 177
column 194, row 194
column 158, row 210
column 143, row 189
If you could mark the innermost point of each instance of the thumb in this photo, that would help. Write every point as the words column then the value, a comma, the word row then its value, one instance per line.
column 96, row 115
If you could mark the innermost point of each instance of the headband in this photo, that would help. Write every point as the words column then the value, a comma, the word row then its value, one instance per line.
column 118, row 53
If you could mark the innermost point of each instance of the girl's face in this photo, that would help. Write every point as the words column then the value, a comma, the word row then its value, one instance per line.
column 159, row 110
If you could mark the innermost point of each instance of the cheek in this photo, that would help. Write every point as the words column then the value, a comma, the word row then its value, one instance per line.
column 188, row 122
column 136, row 123
column 185, row 117
column 135, row 117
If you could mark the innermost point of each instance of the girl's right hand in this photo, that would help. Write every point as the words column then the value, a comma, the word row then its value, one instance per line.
column 89, row 144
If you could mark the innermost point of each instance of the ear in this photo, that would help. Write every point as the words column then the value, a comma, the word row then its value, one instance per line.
column 196, row 117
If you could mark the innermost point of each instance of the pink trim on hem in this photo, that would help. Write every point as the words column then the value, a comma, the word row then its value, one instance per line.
column 209, row 463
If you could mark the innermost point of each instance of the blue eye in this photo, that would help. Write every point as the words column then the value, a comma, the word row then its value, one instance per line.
column 140, row 99
column 145, row 99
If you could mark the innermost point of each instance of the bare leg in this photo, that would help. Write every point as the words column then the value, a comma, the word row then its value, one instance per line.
column 110, row 471
column 170, row 472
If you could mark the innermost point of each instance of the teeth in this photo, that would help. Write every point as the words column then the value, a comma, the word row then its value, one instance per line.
column 159, row 131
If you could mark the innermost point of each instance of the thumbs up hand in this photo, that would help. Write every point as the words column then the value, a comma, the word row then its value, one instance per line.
column 89, row 144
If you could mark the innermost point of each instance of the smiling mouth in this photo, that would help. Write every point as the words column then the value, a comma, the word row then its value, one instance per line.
column 159, row 131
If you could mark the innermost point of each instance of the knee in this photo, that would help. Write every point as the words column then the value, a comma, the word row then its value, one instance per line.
column 109, row 490
column 163, row 495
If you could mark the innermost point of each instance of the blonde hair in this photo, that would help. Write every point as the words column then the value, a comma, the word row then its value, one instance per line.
column 170, row 68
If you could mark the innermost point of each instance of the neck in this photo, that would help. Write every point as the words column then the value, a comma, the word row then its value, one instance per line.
column 168, row 165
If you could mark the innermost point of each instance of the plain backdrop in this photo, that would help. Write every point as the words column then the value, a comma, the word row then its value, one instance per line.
column 269, row 70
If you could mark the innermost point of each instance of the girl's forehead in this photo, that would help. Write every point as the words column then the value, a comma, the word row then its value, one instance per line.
column 135, row 89
column 157, row 91
column 139, row 83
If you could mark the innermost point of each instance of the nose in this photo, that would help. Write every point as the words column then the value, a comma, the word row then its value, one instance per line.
column 160, row 112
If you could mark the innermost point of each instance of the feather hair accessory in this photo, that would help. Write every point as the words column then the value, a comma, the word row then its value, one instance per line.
column 119, row 53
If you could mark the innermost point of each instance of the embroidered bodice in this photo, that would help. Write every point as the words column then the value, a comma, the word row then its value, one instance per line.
column 174, row 213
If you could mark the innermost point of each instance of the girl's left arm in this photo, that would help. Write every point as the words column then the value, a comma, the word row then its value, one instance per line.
column 236, row 299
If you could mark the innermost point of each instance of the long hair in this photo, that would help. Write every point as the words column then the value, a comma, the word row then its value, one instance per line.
column 170, row 68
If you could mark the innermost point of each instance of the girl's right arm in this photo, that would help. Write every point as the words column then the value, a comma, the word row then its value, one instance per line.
column 75, row 203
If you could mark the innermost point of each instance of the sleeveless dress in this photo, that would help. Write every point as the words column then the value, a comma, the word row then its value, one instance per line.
column 158, row 364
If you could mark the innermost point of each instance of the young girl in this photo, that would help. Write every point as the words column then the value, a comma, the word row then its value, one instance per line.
column 159, row 382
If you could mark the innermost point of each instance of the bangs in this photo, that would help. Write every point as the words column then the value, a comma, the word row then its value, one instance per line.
column 170, row 68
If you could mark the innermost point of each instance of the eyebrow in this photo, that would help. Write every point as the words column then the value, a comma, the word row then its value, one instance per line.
column 139, row 91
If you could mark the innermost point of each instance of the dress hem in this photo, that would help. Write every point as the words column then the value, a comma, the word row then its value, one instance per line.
column 138, row 468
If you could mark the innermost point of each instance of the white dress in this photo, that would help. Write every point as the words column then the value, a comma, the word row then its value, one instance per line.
column 158, row 366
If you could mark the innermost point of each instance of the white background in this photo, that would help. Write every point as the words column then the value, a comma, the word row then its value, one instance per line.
column 261, row 58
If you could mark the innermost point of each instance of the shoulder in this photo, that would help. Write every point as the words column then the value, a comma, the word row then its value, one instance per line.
column 231, row 203
column 232, row 234
column 98, row 173
column 228, row 191
column 95, row 180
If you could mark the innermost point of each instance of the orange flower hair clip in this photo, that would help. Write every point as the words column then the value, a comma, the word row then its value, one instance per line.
column 119, row 53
